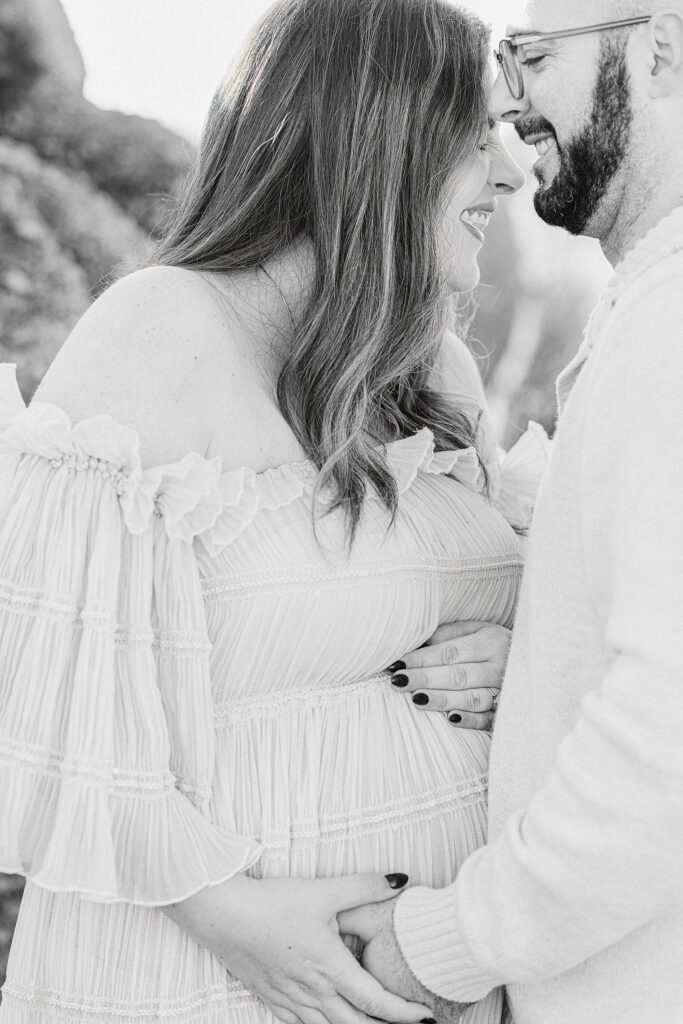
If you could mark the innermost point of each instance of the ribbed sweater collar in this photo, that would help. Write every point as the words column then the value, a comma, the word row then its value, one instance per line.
column 661, row 241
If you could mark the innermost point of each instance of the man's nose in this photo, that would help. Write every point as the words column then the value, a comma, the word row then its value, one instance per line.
column 502, row 105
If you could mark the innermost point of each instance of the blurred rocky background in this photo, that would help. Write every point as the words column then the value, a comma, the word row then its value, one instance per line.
column 83, row 189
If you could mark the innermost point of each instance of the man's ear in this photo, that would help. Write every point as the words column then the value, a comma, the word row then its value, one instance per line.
column 665, row 53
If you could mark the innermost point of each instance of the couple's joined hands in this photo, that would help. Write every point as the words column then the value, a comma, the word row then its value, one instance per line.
column 383, row 958
column 281, row 938
column 459, row 672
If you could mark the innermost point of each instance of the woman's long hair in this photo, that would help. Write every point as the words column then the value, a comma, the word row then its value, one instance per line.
column 344, row 121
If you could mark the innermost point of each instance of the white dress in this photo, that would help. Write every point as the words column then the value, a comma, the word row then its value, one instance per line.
column 192, row 685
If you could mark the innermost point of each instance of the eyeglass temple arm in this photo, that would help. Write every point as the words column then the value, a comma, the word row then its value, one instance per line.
column 532, row 37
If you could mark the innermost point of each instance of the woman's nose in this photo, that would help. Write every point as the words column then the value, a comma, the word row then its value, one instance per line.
column 507, row 177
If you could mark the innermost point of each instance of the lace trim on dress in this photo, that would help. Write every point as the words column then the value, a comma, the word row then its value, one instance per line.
column 216, row 588
column 223, row 998
column 32, row 601
column 338, row 828
column 243, row 709
column 55, row 763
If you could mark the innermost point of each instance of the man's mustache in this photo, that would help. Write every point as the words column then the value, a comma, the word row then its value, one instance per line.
column 525, row 126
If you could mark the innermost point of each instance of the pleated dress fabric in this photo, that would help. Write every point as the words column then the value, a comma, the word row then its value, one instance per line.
column 193, row 684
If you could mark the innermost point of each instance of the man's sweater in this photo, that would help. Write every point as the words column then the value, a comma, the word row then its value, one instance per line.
column 577, row 903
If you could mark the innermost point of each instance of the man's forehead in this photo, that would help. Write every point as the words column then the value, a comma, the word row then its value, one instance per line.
column 552, row 15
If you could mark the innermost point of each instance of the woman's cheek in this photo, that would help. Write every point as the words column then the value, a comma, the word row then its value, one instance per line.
column 461, row 253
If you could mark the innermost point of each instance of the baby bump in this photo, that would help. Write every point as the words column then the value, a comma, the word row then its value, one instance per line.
column 351, row 780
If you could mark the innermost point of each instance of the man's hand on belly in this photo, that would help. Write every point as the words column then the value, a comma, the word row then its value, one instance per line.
column 382, row 957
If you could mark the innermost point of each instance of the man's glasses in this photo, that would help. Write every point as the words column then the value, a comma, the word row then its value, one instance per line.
column 512, row 50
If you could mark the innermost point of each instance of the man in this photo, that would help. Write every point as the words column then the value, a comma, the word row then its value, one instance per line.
column 577, row 903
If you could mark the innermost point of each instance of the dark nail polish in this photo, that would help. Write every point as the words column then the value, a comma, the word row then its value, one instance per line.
column 397, row 881
column 400, row 681
column 427, row 1020
column 421, row 699
column 455, row 719
column 398, row 666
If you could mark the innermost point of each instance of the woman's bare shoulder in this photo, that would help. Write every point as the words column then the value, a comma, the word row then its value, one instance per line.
column 154, row 351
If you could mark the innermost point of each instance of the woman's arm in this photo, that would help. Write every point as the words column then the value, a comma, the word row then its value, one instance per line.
column 153, row 353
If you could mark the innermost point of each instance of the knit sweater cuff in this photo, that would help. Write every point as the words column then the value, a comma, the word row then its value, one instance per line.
column 435, row 948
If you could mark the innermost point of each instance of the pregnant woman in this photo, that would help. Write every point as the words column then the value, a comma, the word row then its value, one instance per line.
column 257, row 474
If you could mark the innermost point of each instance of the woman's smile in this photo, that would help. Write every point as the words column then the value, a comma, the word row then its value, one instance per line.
column 477, row 219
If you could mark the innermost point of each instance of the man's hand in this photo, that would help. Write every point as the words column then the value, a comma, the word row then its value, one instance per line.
column 382, row 957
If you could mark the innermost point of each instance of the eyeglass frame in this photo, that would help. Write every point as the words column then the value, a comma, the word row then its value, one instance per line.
column 522, row 39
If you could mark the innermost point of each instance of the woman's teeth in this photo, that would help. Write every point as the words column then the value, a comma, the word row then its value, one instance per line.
column 478, row 219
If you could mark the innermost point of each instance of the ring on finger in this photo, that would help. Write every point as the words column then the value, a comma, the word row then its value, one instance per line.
column 495, row 697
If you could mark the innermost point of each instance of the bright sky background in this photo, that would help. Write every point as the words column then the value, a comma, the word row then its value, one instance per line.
column 164, row 58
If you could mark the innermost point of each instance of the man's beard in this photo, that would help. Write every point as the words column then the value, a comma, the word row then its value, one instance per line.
column 588, row 163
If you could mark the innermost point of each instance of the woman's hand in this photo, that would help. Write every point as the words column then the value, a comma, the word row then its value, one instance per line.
column 459, row 672
column 280, row 937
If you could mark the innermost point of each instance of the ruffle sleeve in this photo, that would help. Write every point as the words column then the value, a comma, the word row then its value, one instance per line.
column 517, row 477
column 106, row 718
column 410, row 456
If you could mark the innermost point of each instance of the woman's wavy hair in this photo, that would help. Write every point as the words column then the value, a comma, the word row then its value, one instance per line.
column 344, row 121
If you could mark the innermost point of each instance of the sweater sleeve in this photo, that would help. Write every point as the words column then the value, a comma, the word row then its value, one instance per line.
column 596, row 854
column 106, row 719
